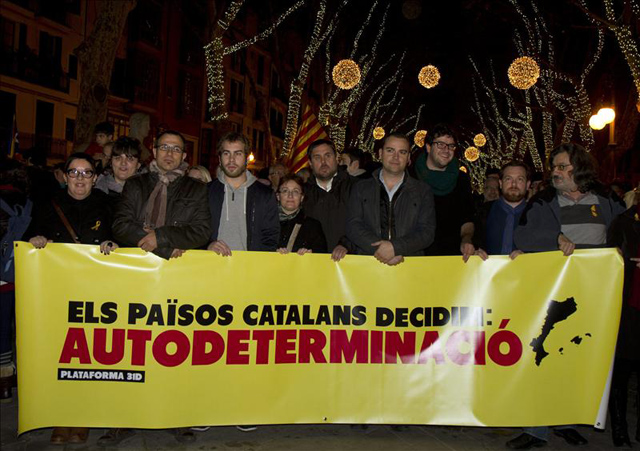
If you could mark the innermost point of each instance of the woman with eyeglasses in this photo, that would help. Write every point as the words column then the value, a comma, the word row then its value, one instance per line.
column 79, row 215
column 298, row 232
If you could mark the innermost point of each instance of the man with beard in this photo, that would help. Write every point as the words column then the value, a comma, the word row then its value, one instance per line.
column 571, row 214
column 244, row 214
column 327, row 194
column 498, row 219
column 451, row 188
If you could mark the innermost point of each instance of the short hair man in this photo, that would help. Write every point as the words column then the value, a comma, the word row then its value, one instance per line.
column 103, row 134
column 451, row 189
column 327, row 194
column 353, row 160
column 568, row 215
column 276, row 172
column 391, row 215
column 244, row 214
column 163, row 211
column 497, row 219
column 491, row 189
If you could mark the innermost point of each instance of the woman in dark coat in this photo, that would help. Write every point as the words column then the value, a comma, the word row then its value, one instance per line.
column 88, row 214
column 625, row 234
column 298, row 232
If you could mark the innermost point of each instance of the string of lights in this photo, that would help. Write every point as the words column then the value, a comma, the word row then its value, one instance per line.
column 215, row 51
column 265, row 33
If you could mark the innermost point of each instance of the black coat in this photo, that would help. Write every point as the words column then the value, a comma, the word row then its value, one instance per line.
column 90, row 218
column 187, row 223
column 263, row 225
column 410, row 219
column 625, row 234
column 330, row 208
column 310, row 235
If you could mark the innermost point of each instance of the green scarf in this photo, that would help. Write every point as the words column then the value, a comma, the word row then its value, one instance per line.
column 441, row 182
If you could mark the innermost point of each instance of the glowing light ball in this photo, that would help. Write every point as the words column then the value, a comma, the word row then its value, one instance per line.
column 472, row 154
column 346, row 74
column 378, row 133
column 596, row 122
column 479, row 140
column 419, row 137
column 607, row 115
column 523, row 72
column 429, row 76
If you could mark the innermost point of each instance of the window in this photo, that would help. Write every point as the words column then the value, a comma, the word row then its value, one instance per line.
column 188, row 95
column 69, row 129
column 261, row 70
column 236, row 97
column 276, row 122
column 73, row 67
column 8, row 33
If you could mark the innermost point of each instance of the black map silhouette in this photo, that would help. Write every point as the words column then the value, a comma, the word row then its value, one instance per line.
column 556, row 312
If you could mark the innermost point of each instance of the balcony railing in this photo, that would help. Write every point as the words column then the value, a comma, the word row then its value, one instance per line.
column 27, row 66
column 53, row 147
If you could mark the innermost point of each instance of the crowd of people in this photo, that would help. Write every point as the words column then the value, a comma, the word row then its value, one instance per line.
column 406, row 204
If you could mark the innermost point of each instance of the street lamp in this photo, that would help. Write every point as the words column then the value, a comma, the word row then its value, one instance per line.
column 605, row 116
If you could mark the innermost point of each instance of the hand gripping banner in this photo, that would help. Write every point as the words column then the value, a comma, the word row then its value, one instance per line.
column 131, row 340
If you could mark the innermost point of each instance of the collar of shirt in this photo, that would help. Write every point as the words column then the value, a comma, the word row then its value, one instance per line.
column 392, row 191
column 328, row 187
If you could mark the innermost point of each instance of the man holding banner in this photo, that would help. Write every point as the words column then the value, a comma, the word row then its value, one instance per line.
column 568, row 215
column 327, row 194
column 163, row 211
column 391, row 215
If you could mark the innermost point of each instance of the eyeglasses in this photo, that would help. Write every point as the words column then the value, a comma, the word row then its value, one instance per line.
column 291, row 192
column 560, row 167
column 441, row 145
column 73, row 173
column 170, row 149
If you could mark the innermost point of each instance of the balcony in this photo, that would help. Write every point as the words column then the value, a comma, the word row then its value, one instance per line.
column 27, row 66
column 55, row 148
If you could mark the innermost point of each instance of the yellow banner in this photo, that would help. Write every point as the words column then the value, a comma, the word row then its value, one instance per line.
column 131, row 340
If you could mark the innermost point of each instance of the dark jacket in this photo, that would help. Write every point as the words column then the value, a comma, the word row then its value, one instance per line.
column 187, row 223
column 263, row 225
column 409, row 219
column 310, row 235
column 90, row 218
column 490, row 223
column 540, row 224
column 625, row 234
column 330, row 208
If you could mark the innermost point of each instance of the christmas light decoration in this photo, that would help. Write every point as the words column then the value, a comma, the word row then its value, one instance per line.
column 419, row 138
column 472, row 154
column 429, row 76
column 319, row 34
column 479, row 140
column 215, row 50
column 378, row 133
column 346, row 74
column 523, row 72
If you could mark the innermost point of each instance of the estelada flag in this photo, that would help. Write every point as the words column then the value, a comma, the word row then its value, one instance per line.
column 309, row 131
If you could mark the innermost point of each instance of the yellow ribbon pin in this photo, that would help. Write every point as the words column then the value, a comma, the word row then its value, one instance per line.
column 594, row 212
column 97, row 226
